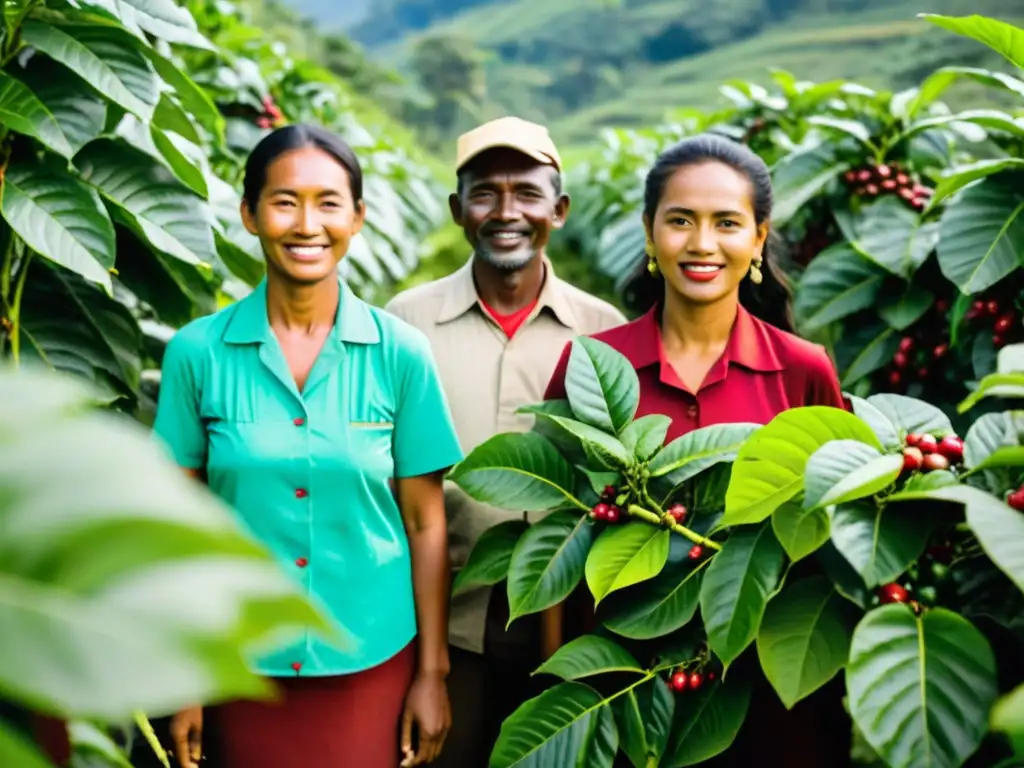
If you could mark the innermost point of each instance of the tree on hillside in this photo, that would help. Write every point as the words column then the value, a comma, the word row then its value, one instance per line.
column 450, row 70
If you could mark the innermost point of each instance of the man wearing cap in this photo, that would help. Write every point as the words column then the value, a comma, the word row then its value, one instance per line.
column 497, row 327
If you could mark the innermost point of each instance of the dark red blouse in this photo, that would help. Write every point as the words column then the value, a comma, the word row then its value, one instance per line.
column 762, row 372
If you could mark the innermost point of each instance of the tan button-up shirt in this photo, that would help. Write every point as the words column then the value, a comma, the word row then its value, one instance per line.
column 486, row 377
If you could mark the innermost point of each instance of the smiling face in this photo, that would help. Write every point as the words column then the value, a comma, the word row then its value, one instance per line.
column 704, row 232
column 508, row 207
column 305, row 216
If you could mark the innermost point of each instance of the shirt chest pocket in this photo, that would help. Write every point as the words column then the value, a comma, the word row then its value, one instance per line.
column 371, row 444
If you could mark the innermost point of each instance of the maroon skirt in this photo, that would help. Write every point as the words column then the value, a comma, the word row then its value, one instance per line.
column 318, row 722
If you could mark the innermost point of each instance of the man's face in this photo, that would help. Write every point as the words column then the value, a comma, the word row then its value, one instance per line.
column 508, row 207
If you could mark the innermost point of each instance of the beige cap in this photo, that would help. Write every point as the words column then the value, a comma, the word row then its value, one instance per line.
column 511, row 132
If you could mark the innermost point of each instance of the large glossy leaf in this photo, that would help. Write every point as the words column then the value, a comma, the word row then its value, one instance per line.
column 700, row 449
column 986, row 436
column 105, row 57
column 602, row 386
column 958, row 177
column 516, row 471
column 892, row 236
column 489, row 559
column 601, row 447
column 801, row 175
column 60, row 217
column 800, row 531
column 998, row 527
column 844, row 470
column 72, row 325
column 1003, row 38
column 941, row 79
column 902, row 311
column 22, row 111
column 879, row 542
column 182, row 158
column 149, row 200
column 646, row 435
column 551, row 729
column 624, row 555
column 837, row 283
column 881, row 424
column 161, row 18
column 769, row 468
column 548, row 562
column 920, row 688
column 644, row 716
column 910, row 415
column 587, row 656
column 983, row 235
column 657, row 607
column 805, row 638
column 80, row 113
column 193, row 98
column 602, row 744
column 986, row 118
column 93, row 648
column 706, row 722
column 863, row 349
column 736, row 589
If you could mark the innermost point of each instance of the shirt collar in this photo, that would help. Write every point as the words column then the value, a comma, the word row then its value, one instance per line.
column 749, row 344
column 462, row 296
column 353, row 321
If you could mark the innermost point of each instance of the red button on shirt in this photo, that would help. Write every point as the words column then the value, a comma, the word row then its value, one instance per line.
column 296, row 665
column 299, row 421
column 762, row 372
column 301, row 562
column 301, row 493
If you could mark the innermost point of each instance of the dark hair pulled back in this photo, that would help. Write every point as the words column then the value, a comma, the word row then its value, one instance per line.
column 298, row 136
column 769, row 301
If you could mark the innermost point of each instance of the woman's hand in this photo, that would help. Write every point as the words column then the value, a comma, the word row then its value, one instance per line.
column 187, row 734
column 428, row 708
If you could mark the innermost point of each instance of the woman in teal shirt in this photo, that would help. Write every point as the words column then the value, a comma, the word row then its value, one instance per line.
column 321, row 420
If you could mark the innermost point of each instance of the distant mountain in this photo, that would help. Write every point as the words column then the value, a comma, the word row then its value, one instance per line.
column 583, row 64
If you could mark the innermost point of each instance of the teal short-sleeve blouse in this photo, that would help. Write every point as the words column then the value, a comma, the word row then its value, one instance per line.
column 309, row 474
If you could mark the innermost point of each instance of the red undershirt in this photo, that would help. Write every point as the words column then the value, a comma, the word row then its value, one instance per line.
column 510, row 323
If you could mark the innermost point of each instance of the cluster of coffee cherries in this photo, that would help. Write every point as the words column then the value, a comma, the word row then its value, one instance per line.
column 681, row 680
column 606, row 510
column 271, row 115
column 924, row 452
column 873, row 180
column 1004, row 320
column 914, row 359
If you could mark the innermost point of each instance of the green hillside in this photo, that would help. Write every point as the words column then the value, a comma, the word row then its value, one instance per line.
column 580, row 65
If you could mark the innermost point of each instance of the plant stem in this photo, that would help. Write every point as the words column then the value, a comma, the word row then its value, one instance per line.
column 154, row 743
column 14, row 310
column 653, row 519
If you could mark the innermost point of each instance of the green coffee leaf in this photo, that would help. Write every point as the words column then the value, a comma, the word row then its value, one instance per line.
column 736, row 589
column 602, row 386
column 805, row 638
column 920, row 688
column 624, row 555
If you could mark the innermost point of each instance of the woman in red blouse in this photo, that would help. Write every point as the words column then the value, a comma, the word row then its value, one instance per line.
column 717, row 346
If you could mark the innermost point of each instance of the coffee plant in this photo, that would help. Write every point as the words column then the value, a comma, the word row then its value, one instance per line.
column 905, row 219
column 876, row 544
column 123, row 129
column 121, row 591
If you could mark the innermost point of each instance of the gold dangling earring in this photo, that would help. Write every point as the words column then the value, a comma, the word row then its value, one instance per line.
column 755, row 272
column 652, row 263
